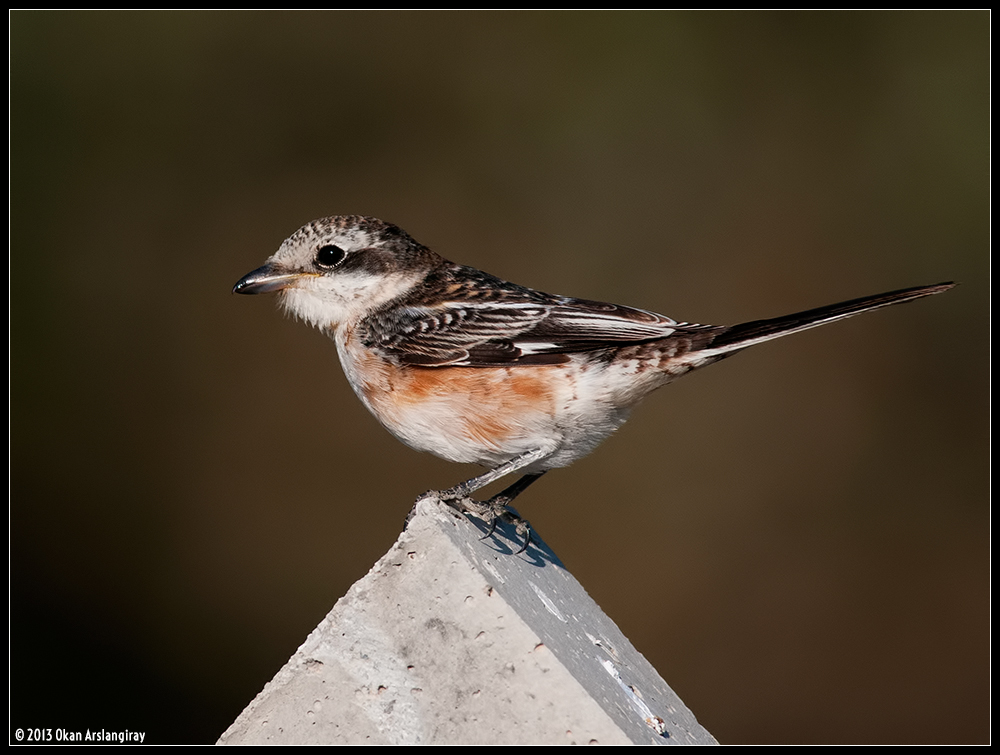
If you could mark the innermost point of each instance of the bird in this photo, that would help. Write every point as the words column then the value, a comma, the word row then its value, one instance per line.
column 474, row 369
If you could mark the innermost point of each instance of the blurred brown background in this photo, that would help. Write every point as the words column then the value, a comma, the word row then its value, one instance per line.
column 796, row 538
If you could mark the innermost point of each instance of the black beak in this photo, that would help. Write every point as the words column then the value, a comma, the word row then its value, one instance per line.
column 264, row 280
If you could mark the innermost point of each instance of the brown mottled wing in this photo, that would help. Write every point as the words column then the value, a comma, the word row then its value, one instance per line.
column 472, row 319
column 508, row 332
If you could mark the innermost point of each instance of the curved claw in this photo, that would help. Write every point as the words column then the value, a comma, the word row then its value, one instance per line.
column 492, row 529
column 527, row 538
column 490, row 511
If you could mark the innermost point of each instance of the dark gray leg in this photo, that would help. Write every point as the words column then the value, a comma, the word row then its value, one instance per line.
column 496, row 507
column 508, row 467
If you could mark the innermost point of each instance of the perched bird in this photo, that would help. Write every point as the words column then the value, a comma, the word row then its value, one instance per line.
column 469, row 367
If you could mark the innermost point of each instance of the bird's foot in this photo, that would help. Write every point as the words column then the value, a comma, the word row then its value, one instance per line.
column 491, row 512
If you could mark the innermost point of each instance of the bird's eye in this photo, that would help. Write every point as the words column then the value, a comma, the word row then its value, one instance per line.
column 330, row 256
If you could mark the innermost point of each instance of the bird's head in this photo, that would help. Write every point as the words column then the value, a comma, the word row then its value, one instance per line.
column 339, row 269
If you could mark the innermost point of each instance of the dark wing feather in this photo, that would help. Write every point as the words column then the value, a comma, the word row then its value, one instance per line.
column 508, row 332
column 461, row 316
column 452, row 334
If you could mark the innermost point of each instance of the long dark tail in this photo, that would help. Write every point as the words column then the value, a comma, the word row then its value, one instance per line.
column 749, row 333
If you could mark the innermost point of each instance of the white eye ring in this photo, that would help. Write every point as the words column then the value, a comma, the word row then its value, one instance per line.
column 329, row 256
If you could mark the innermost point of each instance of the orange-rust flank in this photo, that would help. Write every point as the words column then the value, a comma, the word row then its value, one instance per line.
column 510, row 397
column 506, row 388
column 495, row 402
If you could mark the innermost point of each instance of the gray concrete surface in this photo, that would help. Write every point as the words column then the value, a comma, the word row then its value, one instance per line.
column 453, row 639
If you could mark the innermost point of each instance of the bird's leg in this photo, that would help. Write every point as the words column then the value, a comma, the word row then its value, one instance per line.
column 496, row 507
column 463, row 490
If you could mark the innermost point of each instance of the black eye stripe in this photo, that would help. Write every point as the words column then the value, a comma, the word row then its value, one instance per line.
column 329, row 256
